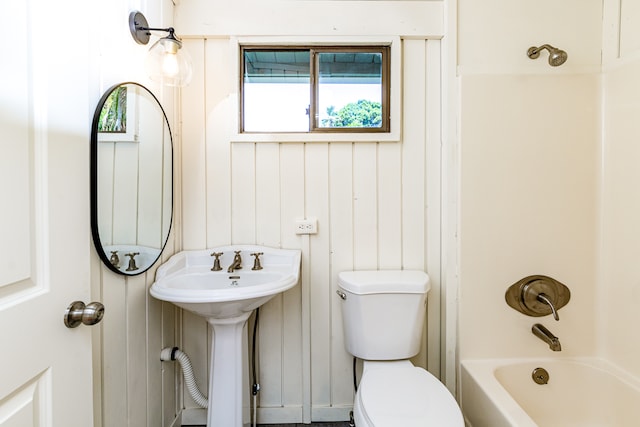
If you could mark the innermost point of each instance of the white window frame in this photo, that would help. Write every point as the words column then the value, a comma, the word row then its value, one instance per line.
column 395, row 90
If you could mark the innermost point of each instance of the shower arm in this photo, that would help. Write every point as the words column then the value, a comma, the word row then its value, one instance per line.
column 534, row 52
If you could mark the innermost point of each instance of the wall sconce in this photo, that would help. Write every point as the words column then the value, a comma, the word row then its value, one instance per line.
column 166, row 62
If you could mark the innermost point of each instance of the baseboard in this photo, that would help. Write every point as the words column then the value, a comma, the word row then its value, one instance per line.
column 194, row 417
column 277, row 415
column 280, row 415
column 331, row 413
column 177, row 421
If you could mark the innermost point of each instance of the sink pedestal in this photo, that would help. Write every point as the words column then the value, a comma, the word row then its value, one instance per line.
column 226, row 366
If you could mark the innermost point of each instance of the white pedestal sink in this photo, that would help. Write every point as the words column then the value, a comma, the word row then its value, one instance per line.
column 226, row 300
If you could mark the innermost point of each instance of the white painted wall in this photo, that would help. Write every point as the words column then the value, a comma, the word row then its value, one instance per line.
column 377, row 204
column 618, row 295
column 530, row 138
column 132, row 387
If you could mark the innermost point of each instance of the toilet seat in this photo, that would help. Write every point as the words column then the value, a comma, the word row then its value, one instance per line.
column 398, row 394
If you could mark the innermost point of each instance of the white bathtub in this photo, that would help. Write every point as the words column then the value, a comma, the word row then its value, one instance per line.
column 580, row 393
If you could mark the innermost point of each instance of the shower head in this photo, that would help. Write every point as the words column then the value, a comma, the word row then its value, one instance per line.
column 556, row 56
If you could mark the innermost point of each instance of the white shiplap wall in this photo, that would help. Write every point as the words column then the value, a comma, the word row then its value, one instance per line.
column 377, row 205
column 132, row 388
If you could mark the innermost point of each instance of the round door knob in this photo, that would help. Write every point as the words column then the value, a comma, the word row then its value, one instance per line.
column 78, row 313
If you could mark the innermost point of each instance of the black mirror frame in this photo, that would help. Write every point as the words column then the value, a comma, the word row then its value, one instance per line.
column 94, row 181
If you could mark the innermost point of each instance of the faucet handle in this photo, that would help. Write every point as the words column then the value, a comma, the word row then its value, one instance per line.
column 216, row 261
column 114, row 259
column 542, row 297
column 256, row 261
column 132, row 261
column 538, row 296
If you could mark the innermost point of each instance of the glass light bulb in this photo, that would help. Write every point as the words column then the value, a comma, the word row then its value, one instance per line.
column 170, row 66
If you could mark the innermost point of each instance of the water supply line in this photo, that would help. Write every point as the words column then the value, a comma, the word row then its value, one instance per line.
column 175, row 353
column 255, row 388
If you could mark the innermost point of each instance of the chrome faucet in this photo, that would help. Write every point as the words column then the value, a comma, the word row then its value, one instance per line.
column 236, row 264
column 545, row 335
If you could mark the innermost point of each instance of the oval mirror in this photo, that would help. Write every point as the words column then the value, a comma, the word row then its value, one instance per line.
column 131, row 179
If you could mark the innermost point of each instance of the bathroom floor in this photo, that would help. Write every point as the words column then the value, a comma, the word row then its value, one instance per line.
column 342, row 424
column 339, row 424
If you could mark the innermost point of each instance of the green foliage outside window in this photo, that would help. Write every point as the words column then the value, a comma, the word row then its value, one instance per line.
column 363, row 113
column 113, row 116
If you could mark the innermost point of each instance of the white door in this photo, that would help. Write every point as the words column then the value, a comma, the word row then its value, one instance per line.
column 45, row 367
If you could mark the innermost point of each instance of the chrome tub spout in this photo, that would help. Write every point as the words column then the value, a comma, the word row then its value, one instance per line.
column 545, row 335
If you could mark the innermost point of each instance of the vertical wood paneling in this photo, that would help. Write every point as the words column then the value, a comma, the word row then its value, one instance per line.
column 317, row 205
column 194, row 193
column 106, row 151
column 342, row 248
column 413, row 155
column 170, row 393
column 365, row 206
column 196, row 342
column 267, row 196
column 270, row 336
column 433, row 218
column 413, row 170
column 125, row 192
column 370, row 200
column 114, row 363
column 137, row 390
column 389, row 206
column 194, row 177
column 243, row 194
column 218, row 87
column 150, row 176
column 292, row 205
column 270, row 353
column 136, row 350
column 154, row 334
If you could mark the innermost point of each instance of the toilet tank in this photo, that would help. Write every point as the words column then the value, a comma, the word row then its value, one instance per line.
column 383, row 312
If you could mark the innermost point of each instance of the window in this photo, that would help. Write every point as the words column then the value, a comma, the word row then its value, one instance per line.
column 318, row 89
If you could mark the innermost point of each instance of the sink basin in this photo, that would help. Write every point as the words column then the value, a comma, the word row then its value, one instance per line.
column 226, row 300
column 187, row 281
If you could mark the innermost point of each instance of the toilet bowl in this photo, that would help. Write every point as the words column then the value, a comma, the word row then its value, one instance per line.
column 383, row 313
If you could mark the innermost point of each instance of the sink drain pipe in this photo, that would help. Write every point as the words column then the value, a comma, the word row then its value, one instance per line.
column 187, row 371
column 170, row 354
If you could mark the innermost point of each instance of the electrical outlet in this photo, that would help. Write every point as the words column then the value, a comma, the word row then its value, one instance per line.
column 307, row 226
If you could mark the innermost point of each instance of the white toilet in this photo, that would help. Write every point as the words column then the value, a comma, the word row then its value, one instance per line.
column 383, row 314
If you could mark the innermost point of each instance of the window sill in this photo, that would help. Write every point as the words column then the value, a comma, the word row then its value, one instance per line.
column 317, row 137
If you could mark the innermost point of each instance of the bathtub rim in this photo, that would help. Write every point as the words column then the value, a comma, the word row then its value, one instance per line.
column 482, row 374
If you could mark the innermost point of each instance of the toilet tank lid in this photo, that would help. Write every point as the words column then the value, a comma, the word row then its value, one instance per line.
column 384, row 281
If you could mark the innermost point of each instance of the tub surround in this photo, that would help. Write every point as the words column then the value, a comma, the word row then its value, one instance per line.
column 529, row 173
